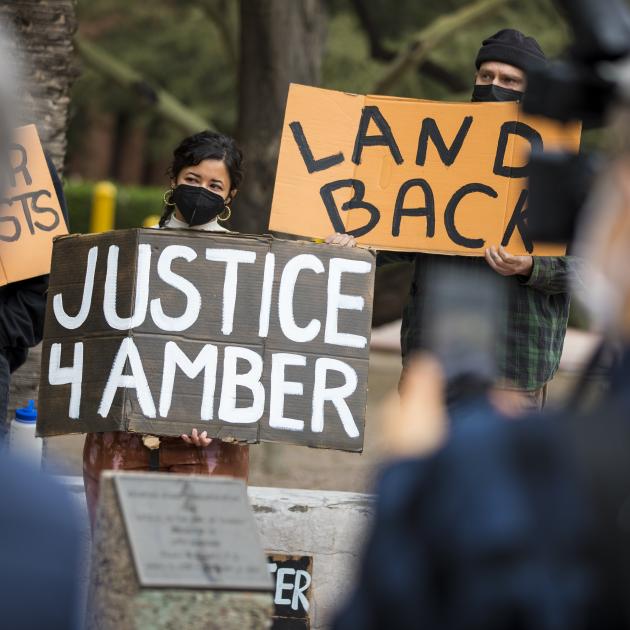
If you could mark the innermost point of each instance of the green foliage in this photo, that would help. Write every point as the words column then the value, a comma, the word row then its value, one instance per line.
column 133, row 205
column 174, row 45
column 190, row 49
column 347, row 65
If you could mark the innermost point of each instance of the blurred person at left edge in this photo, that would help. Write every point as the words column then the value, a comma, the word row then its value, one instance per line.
column 486, row 528
column 22, row 311
column 40, row 551
column 39, row 530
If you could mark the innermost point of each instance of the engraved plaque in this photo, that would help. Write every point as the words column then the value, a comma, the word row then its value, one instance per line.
column 192, row 532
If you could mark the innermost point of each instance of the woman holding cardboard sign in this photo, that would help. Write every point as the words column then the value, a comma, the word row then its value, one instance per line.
column 205, row 175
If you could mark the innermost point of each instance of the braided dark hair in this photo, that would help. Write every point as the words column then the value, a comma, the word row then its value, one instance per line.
column 205, row 145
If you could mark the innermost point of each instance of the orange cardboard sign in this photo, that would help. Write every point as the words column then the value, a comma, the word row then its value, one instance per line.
column 410, row 175
column 30, row 215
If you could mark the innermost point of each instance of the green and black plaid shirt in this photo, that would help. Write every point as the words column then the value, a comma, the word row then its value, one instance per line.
column 537, row 313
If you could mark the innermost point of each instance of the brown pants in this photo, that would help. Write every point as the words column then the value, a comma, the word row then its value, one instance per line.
column 126, row 451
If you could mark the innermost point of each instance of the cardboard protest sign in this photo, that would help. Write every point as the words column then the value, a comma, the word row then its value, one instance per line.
column 293, row 579
column 248, row 338
column 410, row 175
column 30, row 215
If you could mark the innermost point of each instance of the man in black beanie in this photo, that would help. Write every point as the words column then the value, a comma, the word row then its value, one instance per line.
column 530, row 342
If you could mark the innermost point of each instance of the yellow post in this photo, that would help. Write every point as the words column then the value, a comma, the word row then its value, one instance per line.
column 103, row 207
column 151, row 221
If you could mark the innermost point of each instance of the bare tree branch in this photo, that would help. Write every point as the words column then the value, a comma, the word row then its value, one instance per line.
column 430, row 37
column 219, row 13
column 164, row 103
column 427, row 68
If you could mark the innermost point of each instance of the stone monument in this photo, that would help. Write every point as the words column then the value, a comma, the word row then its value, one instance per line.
column 176, row 551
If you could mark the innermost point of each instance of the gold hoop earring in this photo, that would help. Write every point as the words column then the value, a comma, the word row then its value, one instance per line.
column 223, row 216
column 168, row 195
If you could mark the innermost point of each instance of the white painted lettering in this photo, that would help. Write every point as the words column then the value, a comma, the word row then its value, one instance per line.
column 193, row 297
column 231, row 258
column 282, row 586
column 142, row 289
column 299, row 590
column 285, row 298
column 72, row 375
column 206, row 361
column 336, row 395
column 70, row 322
column 338, row 300
column 265, row 299
column 281, row 388
column 228, row 411
column 136, row 380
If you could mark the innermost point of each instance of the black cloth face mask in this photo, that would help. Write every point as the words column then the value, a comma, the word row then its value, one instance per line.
column 494, row 94
column 197, row 204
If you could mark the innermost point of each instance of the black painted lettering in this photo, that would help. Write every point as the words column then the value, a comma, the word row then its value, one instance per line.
column 357, row 201
column 10, row 238
column 312, row 165
column 428, row 210
column 518, row 221
column 430, row 130
column 449, row 214
column 44, row 210
column 25, row 199
column 517, row 129
column 20, row 166
column 384, row 139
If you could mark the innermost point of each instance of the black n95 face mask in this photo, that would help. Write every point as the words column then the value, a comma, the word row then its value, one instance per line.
column 197, row 204
column 494, row 94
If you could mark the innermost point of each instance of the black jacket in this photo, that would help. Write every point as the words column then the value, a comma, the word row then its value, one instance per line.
column 519, row 524
column 23, row 303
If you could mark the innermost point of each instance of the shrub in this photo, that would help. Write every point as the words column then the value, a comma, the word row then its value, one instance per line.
column 133, row 205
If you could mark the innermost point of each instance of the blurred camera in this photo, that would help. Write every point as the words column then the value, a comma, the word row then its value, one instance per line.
column 583, row 87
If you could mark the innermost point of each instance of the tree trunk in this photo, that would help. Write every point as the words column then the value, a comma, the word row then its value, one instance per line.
column 281, row 42
column 43, row 30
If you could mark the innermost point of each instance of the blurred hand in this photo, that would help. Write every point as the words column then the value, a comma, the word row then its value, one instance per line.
column 415, row 422
column 508, row 265
column 343, row 240
column 195, row 439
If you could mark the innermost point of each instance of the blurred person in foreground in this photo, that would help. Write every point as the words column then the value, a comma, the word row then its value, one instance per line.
column 486, row 524
column 22, row 303
column 39, row 532
column 39, row 551
column 532, row 337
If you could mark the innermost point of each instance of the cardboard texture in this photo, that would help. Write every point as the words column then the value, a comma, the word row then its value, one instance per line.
column 191, row 310
column 409, row 175
column 30, row 216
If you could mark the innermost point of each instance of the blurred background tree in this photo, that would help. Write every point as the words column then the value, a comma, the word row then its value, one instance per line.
column 230, row 63
column 43, row 31
column 164, row 68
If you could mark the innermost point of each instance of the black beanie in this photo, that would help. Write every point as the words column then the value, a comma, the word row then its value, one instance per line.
column 511, row 46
